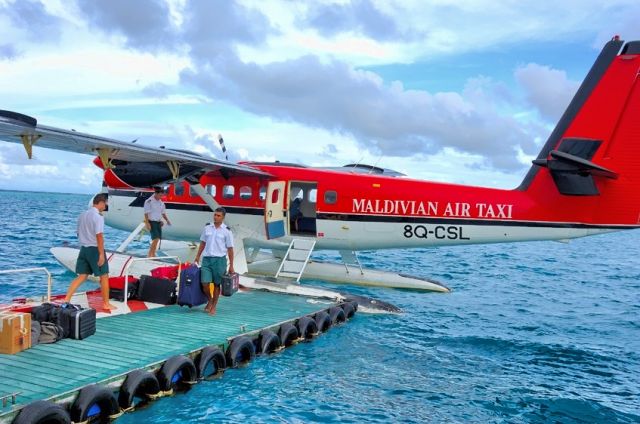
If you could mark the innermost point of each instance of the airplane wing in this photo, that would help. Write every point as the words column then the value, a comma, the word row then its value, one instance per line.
column 25, row 130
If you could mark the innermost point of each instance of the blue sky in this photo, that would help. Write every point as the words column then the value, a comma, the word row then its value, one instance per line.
column 463, row 92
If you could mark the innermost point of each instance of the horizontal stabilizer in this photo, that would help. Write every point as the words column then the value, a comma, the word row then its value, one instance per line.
column 571, row 167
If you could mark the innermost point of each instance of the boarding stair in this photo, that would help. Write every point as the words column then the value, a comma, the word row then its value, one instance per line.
column 296, row 259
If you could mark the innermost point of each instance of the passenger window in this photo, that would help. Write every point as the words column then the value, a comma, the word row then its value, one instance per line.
column 178, row 188
column 263, row 192
column 228, row 191
column 211, row 189
column 245, row 192
column 330, row 197
column 313, row 195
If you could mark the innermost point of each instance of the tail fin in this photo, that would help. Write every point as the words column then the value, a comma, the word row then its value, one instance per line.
column 594, row 150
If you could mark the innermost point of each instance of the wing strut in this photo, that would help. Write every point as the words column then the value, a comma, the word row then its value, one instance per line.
column 28, row 140
column 105, row 157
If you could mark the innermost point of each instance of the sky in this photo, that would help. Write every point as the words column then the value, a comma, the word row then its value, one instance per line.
column 456, row 91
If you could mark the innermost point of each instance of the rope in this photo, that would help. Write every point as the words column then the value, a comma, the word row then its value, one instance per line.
column 118, row 414
column 160, row 394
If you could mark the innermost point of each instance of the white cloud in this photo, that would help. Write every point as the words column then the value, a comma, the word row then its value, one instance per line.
column 546, row 89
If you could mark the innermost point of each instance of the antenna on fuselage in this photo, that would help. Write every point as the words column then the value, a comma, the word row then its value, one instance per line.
column 374, row 165
column 358, row 163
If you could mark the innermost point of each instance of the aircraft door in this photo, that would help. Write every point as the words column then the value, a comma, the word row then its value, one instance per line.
column 274, row 210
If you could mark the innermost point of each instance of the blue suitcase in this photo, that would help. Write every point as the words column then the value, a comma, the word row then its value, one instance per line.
column 190, row 292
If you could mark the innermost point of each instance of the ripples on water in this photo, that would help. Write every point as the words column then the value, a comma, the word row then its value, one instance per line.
column 533, row 332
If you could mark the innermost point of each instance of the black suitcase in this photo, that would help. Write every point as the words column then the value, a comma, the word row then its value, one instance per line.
column 118, row 294
column 42, row 312
column 116, row 288
column 80, row 323
column 230, row 284
column 157, row 290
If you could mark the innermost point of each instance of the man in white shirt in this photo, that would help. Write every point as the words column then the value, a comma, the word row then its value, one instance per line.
column 216, row 242
column 92, row 258
column 154, row 211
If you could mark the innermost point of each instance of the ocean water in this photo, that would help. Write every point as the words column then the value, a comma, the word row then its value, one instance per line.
column 532, row 333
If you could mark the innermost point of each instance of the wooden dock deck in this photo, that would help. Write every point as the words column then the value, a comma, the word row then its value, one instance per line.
column 139, row 340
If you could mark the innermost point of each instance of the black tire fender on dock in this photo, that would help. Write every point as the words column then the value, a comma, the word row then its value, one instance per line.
column 176, row 369
column 355, row 305
column 94, row 400
column 240, row 351
column 323, row 321
column 288, row 334
column 268, row 342
column 42, row 411
column 307, row 328
column 349, row 310
column 140, row 383
column 337, row 315
column 210, row 355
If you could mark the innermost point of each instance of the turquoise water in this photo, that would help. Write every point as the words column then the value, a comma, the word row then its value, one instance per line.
column 533, row 333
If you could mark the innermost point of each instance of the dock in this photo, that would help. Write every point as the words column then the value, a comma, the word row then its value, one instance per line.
column 144, row 341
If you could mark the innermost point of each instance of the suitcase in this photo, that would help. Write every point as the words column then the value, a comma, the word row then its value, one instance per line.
column 169, row 271
column 230, row 284
column 157, row 290
column 80, row 323
column 116, row 288
column 42, row 312
column 50, row 312
column 190, row 292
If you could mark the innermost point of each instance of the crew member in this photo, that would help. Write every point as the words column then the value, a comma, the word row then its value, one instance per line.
column 92, row 258
column 216, row 242
column 154, row 211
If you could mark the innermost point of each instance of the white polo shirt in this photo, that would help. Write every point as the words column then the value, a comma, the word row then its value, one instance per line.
column 90, row 223
column 217, row 240
column 154, row 208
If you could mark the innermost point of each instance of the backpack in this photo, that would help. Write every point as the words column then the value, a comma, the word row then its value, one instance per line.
column 50, row 332
column 35, row 333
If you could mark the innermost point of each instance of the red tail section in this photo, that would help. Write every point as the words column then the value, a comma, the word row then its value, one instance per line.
column 590, row 165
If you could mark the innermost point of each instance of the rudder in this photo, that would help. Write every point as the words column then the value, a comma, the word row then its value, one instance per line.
column 594, row 151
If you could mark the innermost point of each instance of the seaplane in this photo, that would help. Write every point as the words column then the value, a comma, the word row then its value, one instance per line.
column 585, row 181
